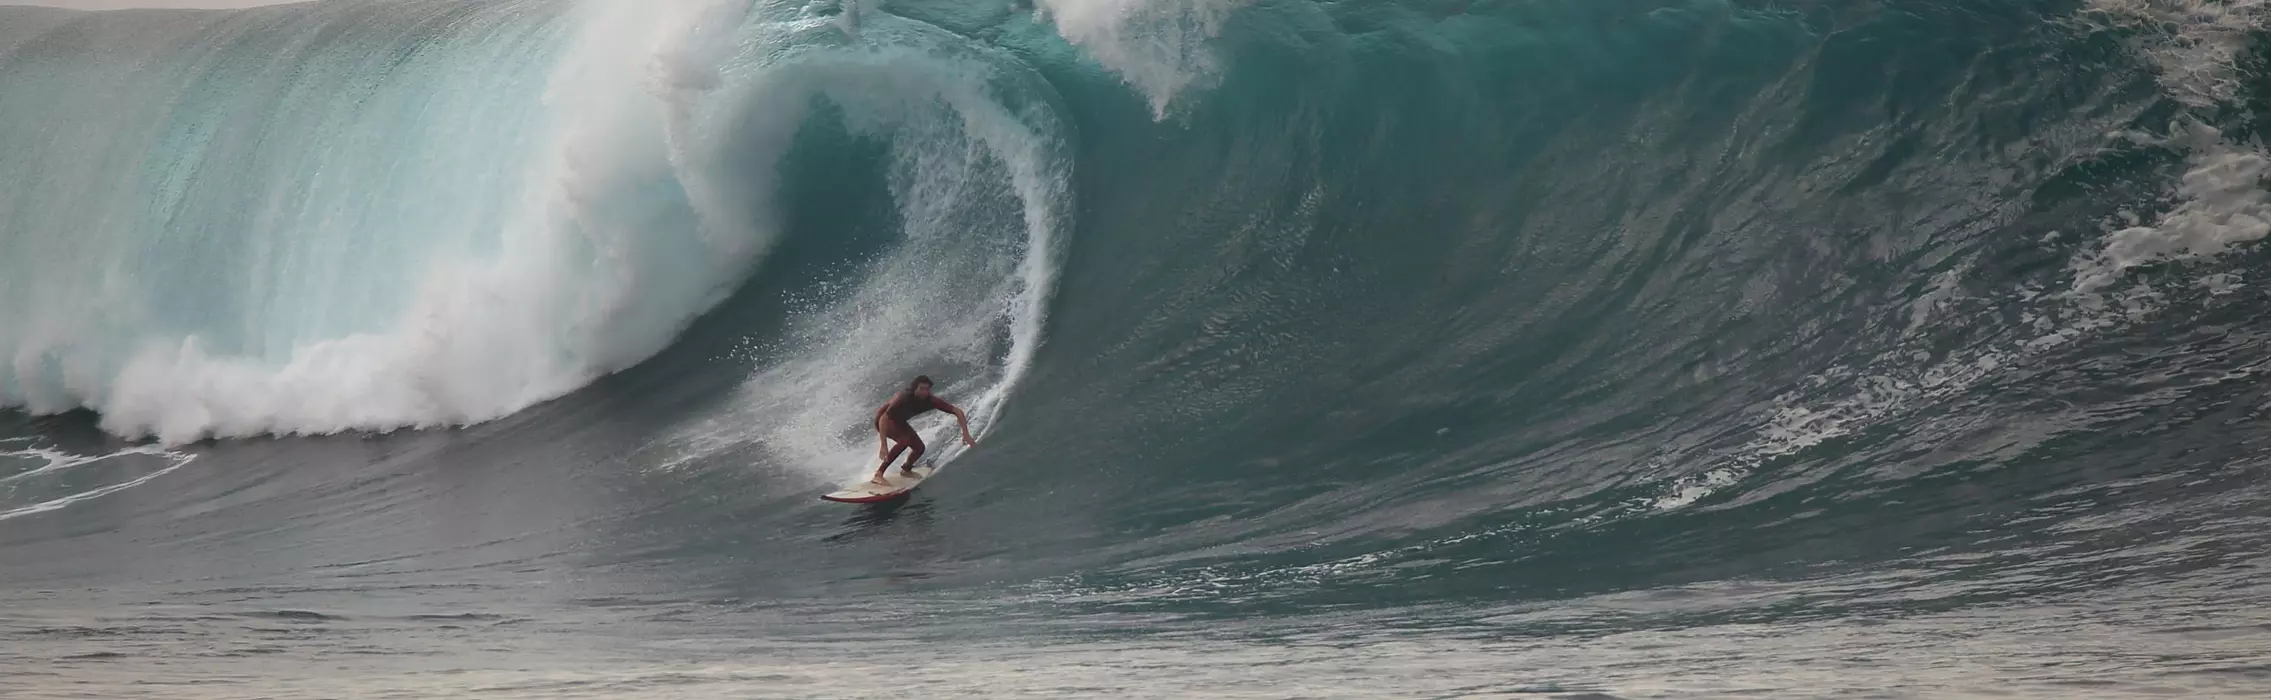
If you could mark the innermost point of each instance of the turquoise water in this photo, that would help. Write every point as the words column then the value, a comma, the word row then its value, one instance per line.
column 1355, row 349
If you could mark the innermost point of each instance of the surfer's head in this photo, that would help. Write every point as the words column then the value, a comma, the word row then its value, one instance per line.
column 921, row 386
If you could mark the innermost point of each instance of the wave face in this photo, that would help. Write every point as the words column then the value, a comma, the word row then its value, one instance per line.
column 366, row 216
column 1430, row 328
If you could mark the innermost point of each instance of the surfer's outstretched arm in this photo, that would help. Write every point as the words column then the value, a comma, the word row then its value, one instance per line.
column 959, row 418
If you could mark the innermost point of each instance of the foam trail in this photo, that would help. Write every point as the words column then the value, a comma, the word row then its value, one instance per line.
column 2195, row 47
column 2222, row 204
column 52, row 461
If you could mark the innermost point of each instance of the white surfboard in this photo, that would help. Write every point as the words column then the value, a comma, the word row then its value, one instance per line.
column 864, row 491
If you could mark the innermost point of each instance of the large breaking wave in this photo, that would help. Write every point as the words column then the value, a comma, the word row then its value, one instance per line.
column 1633, row 254
column 1478, row 319
column 365, row 216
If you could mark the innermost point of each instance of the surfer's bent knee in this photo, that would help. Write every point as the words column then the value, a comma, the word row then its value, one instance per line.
column 899, row 432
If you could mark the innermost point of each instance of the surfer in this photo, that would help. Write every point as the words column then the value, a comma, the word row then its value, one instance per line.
column 891, row 426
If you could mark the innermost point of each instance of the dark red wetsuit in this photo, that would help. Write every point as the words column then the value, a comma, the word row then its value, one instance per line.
column 906, row 405
column 893, row 424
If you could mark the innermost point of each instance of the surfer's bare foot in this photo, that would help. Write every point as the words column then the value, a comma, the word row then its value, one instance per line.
column 908, row 472
column 878, row 480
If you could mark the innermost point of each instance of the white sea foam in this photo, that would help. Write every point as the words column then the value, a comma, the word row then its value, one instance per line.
column 1162, row 47
column 24, row 461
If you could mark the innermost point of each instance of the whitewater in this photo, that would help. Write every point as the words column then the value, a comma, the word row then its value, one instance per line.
column 1316, row 348
column 425, row 251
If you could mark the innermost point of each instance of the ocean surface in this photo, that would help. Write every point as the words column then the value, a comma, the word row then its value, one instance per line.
column 1578, row 349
